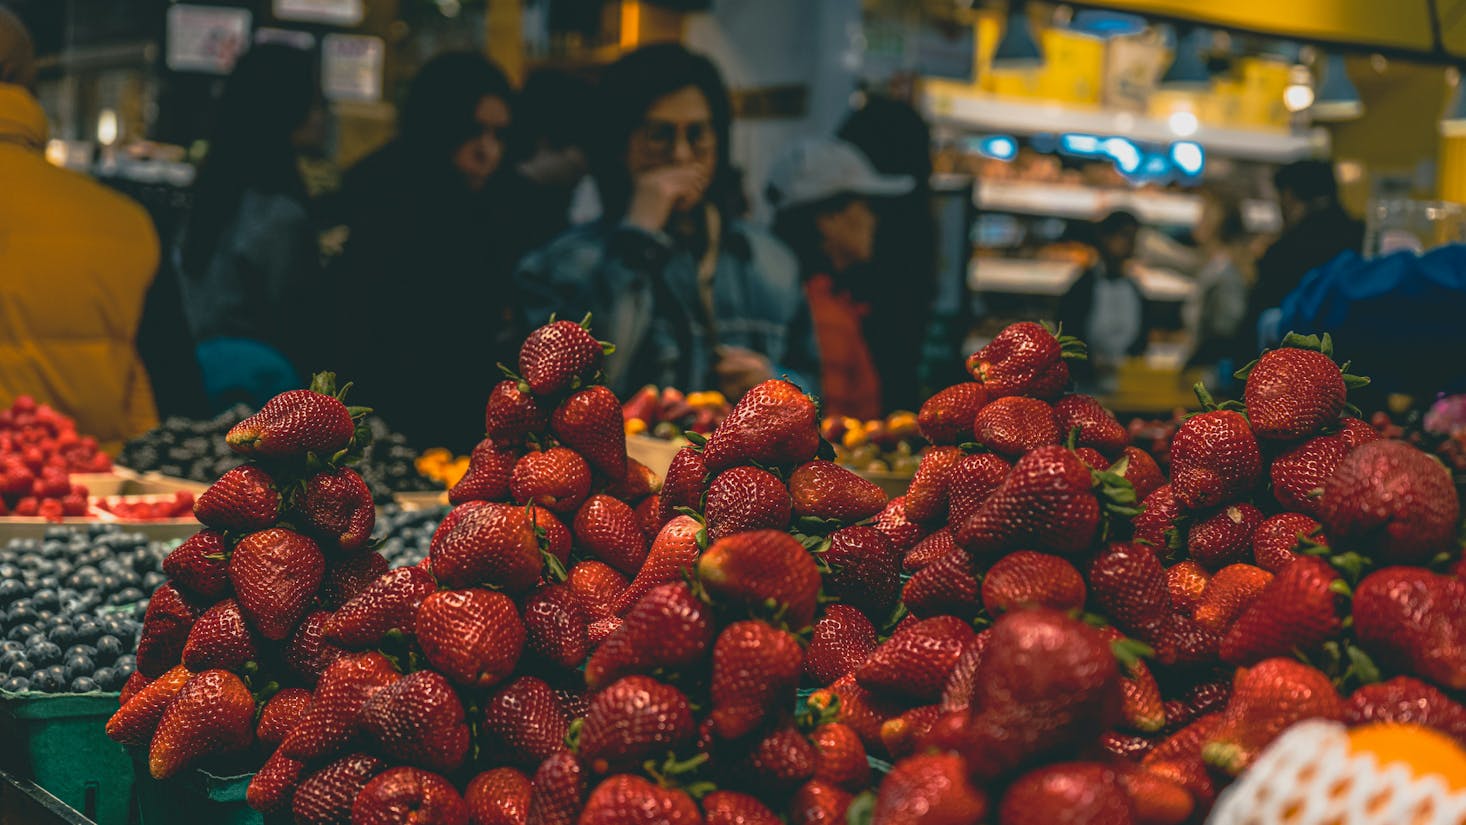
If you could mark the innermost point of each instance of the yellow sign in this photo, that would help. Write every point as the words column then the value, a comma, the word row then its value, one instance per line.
column 1394, row 24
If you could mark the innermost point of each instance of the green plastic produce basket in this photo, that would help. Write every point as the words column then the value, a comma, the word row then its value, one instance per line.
column 195, row 798
column 59, row 742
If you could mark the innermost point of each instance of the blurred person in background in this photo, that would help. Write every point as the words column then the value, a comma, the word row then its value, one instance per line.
column 76, row 260
column 823, row 192
column 551, row 127
column 247, row 258
column 424, row 277
column 1105, row 307
column 1215, row 310
column 692, row 295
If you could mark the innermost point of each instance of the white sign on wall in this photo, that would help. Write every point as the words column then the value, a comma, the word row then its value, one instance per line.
column 336, row 12
column 351, row 67
column 206, row 38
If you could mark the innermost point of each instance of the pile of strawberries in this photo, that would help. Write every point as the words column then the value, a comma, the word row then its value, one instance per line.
column 39, row 448
column 158, row 508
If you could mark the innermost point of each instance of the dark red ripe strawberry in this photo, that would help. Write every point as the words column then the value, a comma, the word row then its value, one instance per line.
column 1186, row 580
column 1275, row 541
column 840, row 757
column 634, row 719
column 929, row 550
column 348, row 577
column 554, row 536
column 625, row 799
column 948, row 586
column 473, row 636
column 762, row 568
column 672, row 556
column 590, row 423
column 1410, row 619
column 271, row 789
column 1403, row 700
column 338, row 506
column 165, row 631
column 419, row 720
column 1267, row 699
column 930, row 789
column 669, row 628
column 1300, row 609
column 1223, row 537
column 1142, row 472
column 926, row 498
column 387, row 604
column 1045, row 503
column 1298, row 476
column 1357, row 433
column 275, row 574
column 970, row 482
column 220, row 639
column 559, row 790
column 1026, row 578
column 512, row 414
column 559, row 356
column 1097, row 426
column 1016, row 425
column 865, row 569
column 292, row 424
column 842, row 639
column 780, row 760
column 1015, row 359
column 245, row 498
column 1129, row 585
column 487, row 479
column 733, row 808
column 334, row 716
column 903, row 532
column 957, row 693
column 817, row 802
column 1157, row 520
column 308, row 654
column 1092, row 458
column 684, row 485
column 1214, row 460
column 596, row 586
column 409, row 795
column 557, row 479
column 1392, row 503
column 906, row 732
column 212, row 713
column 1230, row 592
column 325, row 797
column 916, row 661
column 755, row 671
column 200, row 565
column 524, row 723
column 774, row 424
column 281, row 714
column 1293, row 393
column 499, row 797
column 487, row 544
column 137, row 718
column 744, row 499
column 1070, row 792
column 823, row 489
column 606, row 528
column 555, row 627
column 946, row 418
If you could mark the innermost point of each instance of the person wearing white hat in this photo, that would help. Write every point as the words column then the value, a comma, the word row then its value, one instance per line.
column 821, row 189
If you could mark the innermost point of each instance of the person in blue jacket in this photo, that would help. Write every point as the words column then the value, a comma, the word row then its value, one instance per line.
column 693, row 296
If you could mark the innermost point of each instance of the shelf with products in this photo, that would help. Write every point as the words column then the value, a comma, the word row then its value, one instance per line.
column 1081, row 202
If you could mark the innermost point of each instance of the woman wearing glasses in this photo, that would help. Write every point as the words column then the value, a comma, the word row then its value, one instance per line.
column 692, row 296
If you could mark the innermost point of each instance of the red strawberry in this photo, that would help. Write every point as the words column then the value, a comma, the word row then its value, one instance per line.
column 308, row 654
column 1155, row 799
column 755, row 671
column 596, row 586
column 744, row 499
column 916, row 662
column 200, row 565
column 931, row 789
column 624, row 799
column 780, row 760
column 1403, row 700
column 557, row 479
column 555, row 627
column 1410, row 619
column 524, row 723
column 927, row 496
column 840, row 757
column 589, row 422
column 1266, row 699
column 946, row 418
column 281, row 713
column 903, row 734
column 472, row 636
column 511, row 414
column 1391, row 502
column 601, row 629
column 166, row 625
column 134, row 684
column 499, row 797
column 1018, row 357
column 559, row 356
column 1142, row 472
column 1298, row 476
column 1016, row 425
column 819, row 803
column 853, row 705
column 1223, row 537
column 411, row 797
column 957, row 693
column 865, row 569
column 554, row 536
column 325, row 797
column 668, row 628
column 1092, row 458
column 1097, row 426
column 418, row 719
column 1214, row 460
column 732, row 808
column 1129, row 585
column 487, row 479
column 212, row 713
column 762, row 568
column 1300, row 609
column 903, row 533
column 244, row 499
column 1046, row 501
column 1067, row 794
column 685, row 484
column 273, row 786
column 275, row 574
column 1125, row 747
column 1026, row 578
column 1229, row 593
column 774, row 424
column 825, row 490
column 971, row 481
column 559, row 790
column 649, row 516
column 1156, row 523
column 607, row 529
column 1275, row 541
column 1292, row 392
column 634, row 719
column 293, row 424
column 641, row 481
column 1141, row 702
column 673, row 554
column 1357, row 433
column 842, row 639
column 929, row 550
column 334, row 717
column 1187, row 742
column 338, row 506
column 135, row 722
column 487, row 544
column 948, row 586
column 347, row 578
column 220, row 639
column 387, row 604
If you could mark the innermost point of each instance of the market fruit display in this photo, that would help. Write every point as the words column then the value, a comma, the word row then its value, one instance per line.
column 40, row 449
column 889, row 445
column 668, row 413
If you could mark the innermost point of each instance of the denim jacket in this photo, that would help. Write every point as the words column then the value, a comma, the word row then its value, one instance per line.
column 642, row 294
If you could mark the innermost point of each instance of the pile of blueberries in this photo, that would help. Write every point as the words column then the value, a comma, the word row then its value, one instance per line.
column 71, row 607
column 406, row 534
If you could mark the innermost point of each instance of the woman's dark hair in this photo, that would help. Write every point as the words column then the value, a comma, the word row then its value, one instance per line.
column 796, row 226
column 1233, row 226
column 554, row 108
column 267, row 97
column 438, row 114
column 627, row 91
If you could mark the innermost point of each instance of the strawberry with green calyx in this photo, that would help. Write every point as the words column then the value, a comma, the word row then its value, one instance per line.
column 946, row 418
column 840, row 642
column 1159, row 524
column 767, row 572
column 1266, row 699
column 668, row 629
column 1140, row 694
column 473, row 636
column 303, row 423
column 557, row 479
column 775, row 425
column 1296, row 390
column 1280, row 538
column 746, row 498
column 212, row 713
column 418, row 720
column 561, row 356
column 245, row 498
column 1215, row 458
column 200, row 565
column 512, row 415
column 1140, row 469
column 489, row 544
column 1025, row 359
column 1223, row 537
column 685, row 484
column 847, row 702
column 487, row 479
column 1091, row 424
column 929, row 789
column 1300, row 609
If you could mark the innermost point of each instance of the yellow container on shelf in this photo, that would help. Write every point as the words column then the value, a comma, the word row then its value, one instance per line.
column 1072, row 72
column 1263, row 81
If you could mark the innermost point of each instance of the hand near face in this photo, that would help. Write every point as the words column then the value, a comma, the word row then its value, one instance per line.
column 659, row 192
column 739, row 370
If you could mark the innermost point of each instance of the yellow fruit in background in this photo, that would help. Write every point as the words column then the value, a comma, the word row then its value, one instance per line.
column 455, row 471
column 854, row 437
column 1425, row 750
column 635, row 426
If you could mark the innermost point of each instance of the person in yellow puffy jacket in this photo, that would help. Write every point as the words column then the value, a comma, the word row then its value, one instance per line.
column 76, row 260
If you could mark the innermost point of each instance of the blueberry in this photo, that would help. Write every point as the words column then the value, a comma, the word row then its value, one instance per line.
column 16, row 684
column 36, row 639
column 127, row 595
column 12, row 589
column 87, row 631
column 22, row 613
column 44, row 654
column 80, row 650
column 77, row 666
column 21, row 631
column 114, row 625
column 84, row 684
column 50, row 680
column 108, row 648
column 153, row 579
column 21, row 668
column 47, row 581
column 9, row 658
column 62, row 634
column 107, row 678
column 45, row 597
column 11, row 644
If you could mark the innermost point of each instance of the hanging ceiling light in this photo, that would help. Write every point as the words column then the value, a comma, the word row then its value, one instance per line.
column 1017, row 49
column 1188, row 70
column 1337, row 99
